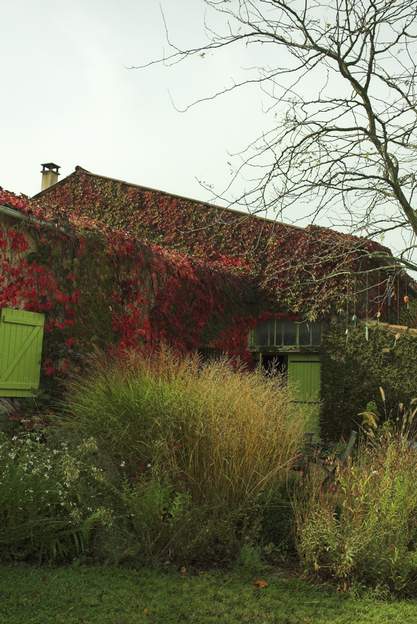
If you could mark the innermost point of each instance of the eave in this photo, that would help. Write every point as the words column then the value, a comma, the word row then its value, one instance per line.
column 12, row 212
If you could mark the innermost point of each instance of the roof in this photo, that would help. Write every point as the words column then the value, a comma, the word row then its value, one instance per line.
column 196, row 202
column 220, row 215
column 299, row 267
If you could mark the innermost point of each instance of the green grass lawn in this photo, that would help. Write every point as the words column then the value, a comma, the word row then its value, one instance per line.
column 85, row 595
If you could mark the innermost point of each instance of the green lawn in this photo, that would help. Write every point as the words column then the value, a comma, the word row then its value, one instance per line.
column 85, row 595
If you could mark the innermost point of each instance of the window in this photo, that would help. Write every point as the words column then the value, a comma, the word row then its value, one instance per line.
column 279, row 333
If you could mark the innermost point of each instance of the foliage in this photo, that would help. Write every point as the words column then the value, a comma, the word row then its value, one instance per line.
column 48, row 498
column 366, row 532
column 357, row 367
column 132, row 296
column 203, row 442
column 301, row 270
column 18, row 202
column 136, row 294
column 108, row 595
column 151, row 522
column 249, row 562
column 276, row 538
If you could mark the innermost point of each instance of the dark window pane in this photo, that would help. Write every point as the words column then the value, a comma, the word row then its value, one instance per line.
column 278, row 333
column 316, row 333
column 305, row 334
column 289, row 330
column 261, row 335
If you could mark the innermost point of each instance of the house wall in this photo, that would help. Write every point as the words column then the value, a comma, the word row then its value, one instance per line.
column 116, row 293
column 110, row 290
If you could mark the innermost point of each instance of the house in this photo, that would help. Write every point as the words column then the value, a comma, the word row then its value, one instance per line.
column 99, row 286
column 136, row 265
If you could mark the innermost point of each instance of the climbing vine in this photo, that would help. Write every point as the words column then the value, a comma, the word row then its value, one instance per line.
column 132, row 295
column 306, row 271
column 121, row 266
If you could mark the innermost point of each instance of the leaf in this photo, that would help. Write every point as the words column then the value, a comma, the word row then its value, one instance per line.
column 369, row 419
column 260, row 583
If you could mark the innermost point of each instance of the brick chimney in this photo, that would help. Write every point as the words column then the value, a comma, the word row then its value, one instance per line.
column 50, row 173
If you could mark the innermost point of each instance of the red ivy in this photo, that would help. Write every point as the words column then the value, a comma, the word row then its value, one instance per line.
column 180, row 271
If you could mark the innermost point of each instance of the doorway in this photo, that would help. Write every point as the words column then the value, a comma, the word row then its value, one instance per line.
column 302, row 373
column 275, row 364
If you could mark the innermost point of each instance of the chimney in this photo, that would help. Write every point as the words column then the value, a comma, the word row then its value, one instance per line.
column 50, row 173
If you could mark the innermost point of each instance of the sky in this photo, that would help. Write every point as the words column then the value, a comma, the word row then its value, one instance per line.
column 69, row 97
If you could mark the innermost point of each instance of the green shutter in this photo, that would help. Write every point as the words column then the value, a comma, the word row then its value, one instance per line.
column 21, row 337
column 304, row 380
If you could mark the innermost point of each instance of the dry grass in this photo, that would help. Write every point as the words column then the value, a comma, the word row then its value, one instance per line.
column 224, row 435
column 237, row 436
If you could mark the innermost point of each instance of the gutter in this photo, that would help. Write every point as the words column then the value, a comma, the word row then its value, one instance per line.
column 12, row 212
column 16, row 214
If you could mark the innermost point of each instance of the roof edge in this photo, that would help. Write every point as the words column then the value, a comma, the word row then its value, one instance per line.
column 49, row 188
column 249, row 215
column 78, row 169
column 12, row 212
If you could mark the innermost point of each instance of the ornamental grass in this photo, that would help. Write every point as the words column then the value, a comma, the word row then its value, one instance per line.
column 212, row 442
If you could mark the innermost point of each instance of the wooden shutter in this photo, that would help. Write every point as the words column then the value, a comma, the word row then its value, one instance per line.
column 21, row 337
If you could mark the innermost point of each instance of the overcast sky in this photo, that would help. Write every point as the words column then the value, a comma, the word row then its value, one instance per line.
column 68, row 97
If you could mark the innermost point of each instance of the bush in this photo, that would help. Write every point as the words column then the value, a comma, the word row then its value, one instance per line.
column 197, row 448
column 366, row 532
column 48, row 498
column 353, row 369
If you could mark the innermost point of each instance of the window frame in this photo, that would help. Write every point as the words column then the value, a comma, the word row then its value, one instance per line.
column 276, row 328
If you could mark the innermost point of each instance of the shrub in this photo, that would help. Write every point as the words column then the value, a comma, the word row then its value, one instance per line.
column 366, row 532
column 357, row 367
column 149, row 519
column 197, row 446
column 47, row 501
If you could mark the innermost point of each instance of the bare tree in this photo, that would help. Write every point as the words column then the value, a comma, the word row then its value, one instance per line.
column 345, row 148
